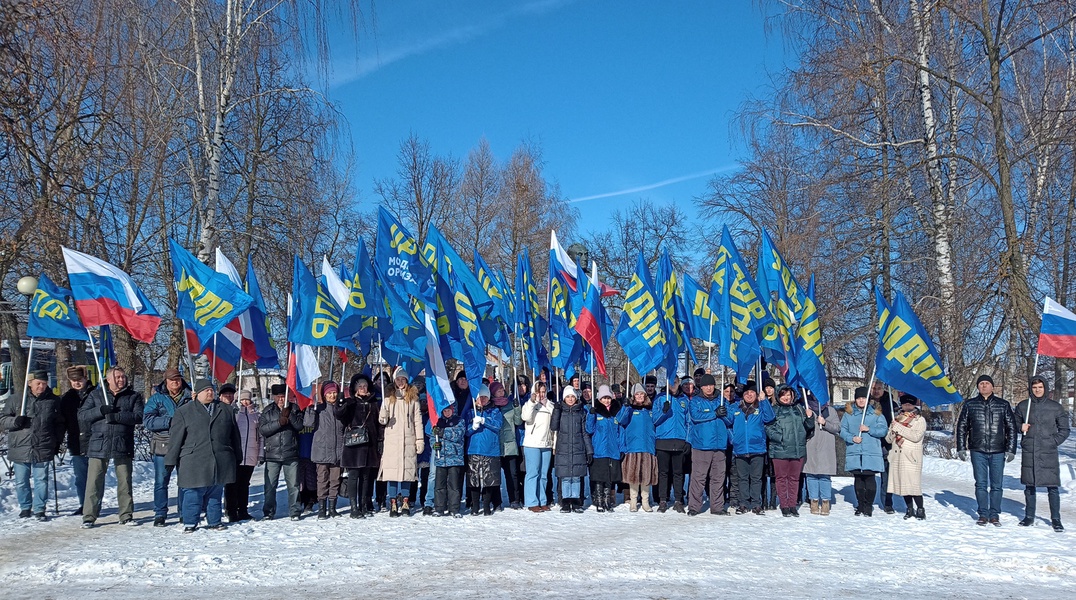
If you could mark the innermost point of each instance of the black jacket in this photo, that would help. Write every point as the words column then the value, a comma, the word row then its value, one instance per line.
column 1039, row 462
column 41, row 440
column 205, row 447
column 111, row 440
column 280, row 443
column 70, row 403
column 353, row 412
column 573, row 450
column 986, row 425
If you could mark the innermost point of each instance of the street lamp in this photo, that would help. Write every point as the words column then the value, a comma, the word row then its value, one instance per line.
column 27, row 286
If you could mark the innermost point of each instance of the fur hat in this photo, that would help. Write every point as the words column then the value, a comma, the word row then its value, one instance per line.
column 650, row 380
column 77, row 372
column 278, row 389
column 862, row 392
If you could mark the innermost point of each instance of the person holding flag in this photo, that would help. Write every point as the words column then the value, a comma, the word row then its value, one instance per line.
column 77, row 441
column 35, row 429
column 862, row 431
column 279, row 426
column 606, row 421
column 1044, row 423
column 483, row 451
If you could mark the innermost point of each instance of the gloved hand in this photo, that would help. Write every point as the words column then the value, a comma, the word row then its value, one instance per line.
column 107, row 409
column 590, row 459
column 438, row 431
column 666, row 407
column 722, row 411
column 515, row 402
column 477, row 423
column 21, row 422
column 1009, row 456
column 962, row 455
column 283, row 420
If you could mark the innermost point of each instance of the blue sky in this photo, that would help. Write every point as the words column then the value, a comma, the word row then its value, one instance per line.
column 626, row 99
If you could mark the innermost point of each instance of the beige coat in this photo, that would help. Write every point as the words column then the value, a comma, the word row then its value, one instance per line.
column 906, row 459
column 404, row 441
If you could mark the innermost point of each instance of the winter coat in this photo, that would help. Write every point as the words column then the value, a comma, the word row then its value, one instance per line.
column 486, row 440
column 447, row 439
column 157, row 416
column 906, row 458
column 573, row 450
column 250, row 440
column 1049, row 428
column 352, row 412
column 749, row 427
column 676, row 426
column 404, row 441
column 113, row 440
column 708, row 431
column 70, row 403
column 640, row 435
column 789, row 431
column 280, row 443
column 204, row 446
column 605, row 426
column 866, row 455
column 986, row 425
column 536, row 419
column 822, row 449
column 41, row 440
column 327, row 447
column 513, row 417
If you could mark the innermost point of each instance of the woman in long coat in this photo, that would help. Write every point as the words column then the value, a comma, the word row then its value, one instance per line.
column 862, row 429
column 361, row 460
column 905, row 437
column 572, row 451
column 402, row 419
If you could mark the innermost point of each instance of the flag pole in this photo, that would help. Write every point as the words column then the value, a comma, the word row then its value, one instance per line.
column 213, row 363
column 97, row 365
column 870, row 384
column 380, row 361
column 26, row 379
column 1034, row 372
column 240, row 387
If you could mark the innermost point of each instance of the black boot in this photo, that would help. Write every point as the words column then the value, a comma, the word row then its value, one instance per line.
column 332, row 508
column 610, row 498
column 565, row 505
column 910, row 513
column 599, row 497
column 323, row 510
column 920, row 514
column 577, row 505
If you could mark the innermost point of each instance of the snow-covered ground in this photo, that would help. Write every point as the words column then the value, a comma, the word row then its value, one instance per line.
column 522, row 555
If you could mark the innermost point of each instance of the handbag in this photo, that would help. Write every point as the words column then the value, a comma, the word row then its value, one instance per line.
column 357, row 435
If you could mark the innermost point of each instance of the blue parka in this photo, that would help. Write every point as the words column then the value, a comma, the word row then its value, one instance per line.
column 866, row 455
column 749, row 428
column 708, row 431
column 640, row 435
column 447, row 439
column 486, row 440
column 605, row 426
column 676, row 426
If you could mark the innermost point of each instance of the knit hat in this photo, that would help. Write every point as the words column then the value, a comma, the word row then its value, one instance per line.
column 986, row 378
column 707, row 379
column 615, row 388
column 604, row 392
column 401, row 372
column 76, row 373
column 202, row 385
column 484, row 391
column 687, row 381
column 246, row 395
column 637, row 388
column 329, row 386
column 750, row 386
column 568, row 391
column 278, row 389
column 460, row 373
column 768, row 382
column 494, row 388
column 861, row 392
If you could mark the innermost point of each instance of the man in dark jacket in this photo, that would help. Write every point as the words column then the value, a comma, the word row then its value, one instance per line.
column 110, row 416
column 77, row 440
column 986, row 427
column 1045, row 426
column 279, row 426
column 171, row 394
column 204, row 440
column 35, row 429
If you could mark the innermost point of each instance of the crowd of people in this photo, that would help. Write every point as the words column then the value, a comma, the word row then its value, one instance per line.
column 689, row 448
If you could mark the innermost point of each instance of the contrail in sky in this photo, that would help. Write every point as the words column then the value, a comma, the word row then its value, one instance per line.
column 662, row 183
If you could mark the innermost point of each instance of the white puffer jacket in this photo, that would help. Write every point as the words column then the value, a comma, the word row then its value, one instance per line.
column 536, row 420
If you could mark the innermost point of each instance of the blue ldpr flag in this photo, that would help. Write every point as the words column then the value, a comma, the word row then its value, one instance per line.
column 314, row 316
column 782, row 297
column 640, row 332
column 810, row 360
column 50, row 315
column 530, row 326
column 206, row 300
column 463, row 316
column 564, row 343
column 701, row 320
column 907, row 359
column 403, row 270
column 365, row 297
column 674, row 314
column 740, row 313
column 258, row 348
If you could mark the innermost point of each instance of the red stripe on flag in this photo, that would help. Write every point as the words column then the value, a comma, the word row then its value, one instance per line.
column 105, row 311
column 587, row 326
column 1059, row 346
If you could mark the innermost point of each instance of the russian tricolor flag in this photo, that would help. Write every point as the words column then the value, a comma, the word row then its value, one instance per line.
column 1057, row 336
column 303, row 371
column 105, row 295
